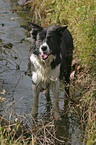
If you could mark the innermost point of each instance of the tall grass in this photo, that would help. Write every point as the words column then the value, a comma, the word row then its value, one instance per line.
column 80, row 16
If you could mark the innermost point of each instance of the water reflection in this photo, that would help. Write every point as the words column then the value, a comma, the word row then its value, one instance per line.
column 18, row 85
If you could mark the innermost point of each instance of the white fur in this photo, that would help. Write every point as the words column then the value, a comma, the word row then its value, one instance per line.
column 42, row 76
column 45, row 44
column 44, row 73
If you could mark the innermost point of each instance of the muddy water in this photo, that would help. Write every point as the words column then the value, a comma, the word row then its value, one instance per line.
column 18, row 86
column 10, row 32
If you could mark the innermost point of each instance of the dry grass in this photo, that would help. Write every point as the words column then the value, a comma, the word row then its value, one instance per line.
column 80, row 16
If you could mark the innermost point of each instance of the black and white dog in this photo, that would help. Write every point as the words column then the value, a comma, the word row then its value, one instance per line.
column 50, row 62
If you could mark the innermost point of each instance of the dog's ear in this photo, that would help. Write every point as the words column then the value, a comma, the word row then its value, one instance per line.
column 35, row 26
column 61, row 29
column 35, row 29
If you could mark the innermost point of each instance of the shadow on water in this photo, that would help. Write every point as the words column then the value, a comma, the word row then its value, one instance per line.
column 17, row 86
column 14, row 60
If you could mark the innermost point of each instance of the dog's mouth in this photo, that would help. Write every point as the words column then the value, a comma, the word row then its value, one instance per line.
column 45, row 55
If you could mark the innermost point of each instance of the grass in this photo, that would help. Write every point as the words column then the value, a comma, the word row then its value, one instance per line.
column 80, row 16
column 18, row 133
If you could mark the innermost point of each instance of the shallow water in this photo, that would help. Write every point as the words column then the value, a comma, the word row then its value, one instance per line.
column 12, row 33
column 17, row 85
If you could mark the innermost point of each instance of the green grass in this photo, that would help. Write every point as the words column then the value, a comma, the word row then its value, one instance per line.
column 80, row 16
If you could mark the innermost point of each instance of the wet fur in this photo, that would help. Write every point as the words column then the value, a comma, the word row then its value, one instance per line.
column 48, row 71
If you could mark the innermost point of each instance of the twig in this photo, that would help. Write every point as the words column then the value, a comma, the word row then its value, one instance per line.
column 54, row 136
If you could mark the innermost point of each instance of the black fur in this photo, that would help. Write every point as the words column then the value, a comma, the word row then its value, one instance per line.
column 51, row 52
column 60, row 42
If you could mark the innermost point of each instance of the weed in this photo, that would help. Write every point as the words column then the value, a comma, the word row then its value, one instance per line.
column 81, row 19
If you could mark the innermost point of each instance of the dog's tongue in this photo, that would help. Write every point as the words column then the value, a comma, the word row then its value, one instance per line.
column 44, row 56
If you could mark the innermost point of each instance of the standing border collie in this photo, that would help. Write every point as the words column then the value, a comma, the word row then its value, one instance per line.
column 50, row 62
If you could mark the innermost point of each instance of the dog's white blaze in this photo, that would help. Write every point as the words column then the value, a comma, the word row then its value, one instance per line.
column 44, row 73
column 44, row 44
column 60, row 55
column 31, row 33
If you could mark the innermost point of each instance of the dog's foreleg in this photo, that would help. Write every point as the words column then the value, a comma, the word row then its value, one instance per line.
column 35, row 101
column 48, row 99
column 56, row 100
column 47, row 94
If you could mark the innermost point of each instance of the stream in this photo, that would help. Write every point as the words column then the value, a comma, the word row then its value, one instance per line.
column 17, row 85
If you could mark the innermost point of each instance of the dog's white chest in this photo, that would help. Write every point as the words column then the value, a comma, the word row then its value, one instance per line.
column 43, row 72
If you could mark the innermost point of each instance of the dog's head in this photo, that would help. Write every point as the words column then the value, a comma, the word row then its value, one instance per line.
column 47, row 40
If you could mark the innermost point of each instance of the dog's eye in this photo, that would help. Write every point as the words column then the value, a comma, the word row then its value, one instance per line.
column 40, row 40
column 50, row 38
column 38, row 43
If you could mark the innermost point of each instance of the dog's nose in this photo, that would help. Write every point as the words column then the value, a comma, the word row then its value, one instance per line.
column 44, row 48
